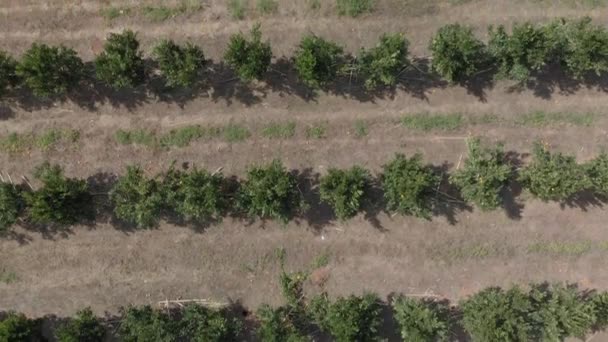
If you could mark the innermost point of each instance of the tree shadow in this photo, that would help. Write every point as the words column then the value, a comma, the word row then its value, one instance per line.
column 510, row 193
column 318, row 214
column 448, row 202
column 585, row 200
column 6, row 112
column 374, row 204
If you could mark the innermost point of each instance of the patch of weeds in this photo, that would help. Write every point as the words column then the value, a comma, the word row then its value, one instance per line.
column 47, row 140
column 8, row 277
column 279, row 130
column 321, row 260
column 318, row 131
column 484, row 119
column 281, row 255
column 419, row 8
column 540, row 119
column 470, row 251
column 182, row 136
column 14, row 142
column 162, row 13
column 314, row 5
column 361, row 129
column 354, row 8
column 138, row 137
column 267, row 7
column 235, row 133
column 111, row 13
column 428, row 122
column 561, row 248
column 237, row 9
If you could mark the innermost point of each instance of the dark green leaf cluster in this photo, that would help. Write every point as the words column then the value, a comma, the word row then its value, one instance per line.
column 249, row 58
column 317, row 61
column 409, row 186
column 597, row 171
column 344, row 190
column 484, row 175
column 8, row 75
column 421, row 320
column 10, row 206
column 85, row 327
column 457, row 54
column 180, row 65
column 382, row 64
column 277, row 326
column 50, row 70
column 18, row 328
column 120, row 65
column 137, row 199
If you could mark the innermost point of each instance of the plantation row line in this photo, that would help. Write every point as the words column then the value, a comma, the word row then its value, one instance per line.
column 543, row 312
column 271, row 192
column 579, row 46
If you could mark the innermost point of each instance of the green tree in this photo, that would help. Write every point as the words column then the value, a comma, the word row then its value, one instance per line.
column 196, row 195
column 457, row 54
column 50, row 70
column 483, row 176
column 276, row 326
column 137, row 199
column 17, row 328
column 597, row 171
column 143, row 324
column 8, row 75
column 421, row 320
column 10, row 206
column 249, row 58
column 382, row 64
column 120, row 65
column 200, row 324
column 344, row 190
column 409, row 186
column 60, row 200
column 85, row 327
column 553, row 177
column 599, row 300
column 180, row 65
column 318, row 61
column 270, row 192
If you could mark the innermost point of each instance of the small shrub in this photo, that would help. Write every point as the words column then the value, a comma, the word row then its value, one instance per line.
column 317, row 61
column 120, row 65
column 200, row 324
column 249, row 58
column 344, row 190
column 421, row 321
column 17, row 328
column 553, row 177
column 267, row 6
column 597, row 171
column 409, row 186
column 354, row 8
column 85, row 327
column 140, row 324
column 270, row 192
column 50, row 70
column 483, row 176
column 180, row 65
column 382, row 64
column 137, row 199
column 8, row 74
column 60, row 200
column 457, row 54
column 10, row 206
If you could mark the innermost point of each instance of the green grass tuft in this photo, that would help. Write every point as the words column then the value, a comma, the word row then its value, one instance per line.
column 541, row 119
column 235, row 133
column 279, row 130
column 354, row 8
column 267, row 7
column 318, row 131
column 138, row 137
column 237, row 9
column 361, row 129
column 560, row 248
column 428, row 122
column 111, row 13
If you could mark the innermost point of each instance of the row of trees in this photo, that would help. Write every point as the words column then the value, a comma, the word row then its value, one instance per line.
column 457, row 55
column 542, row 312
column 410, row 187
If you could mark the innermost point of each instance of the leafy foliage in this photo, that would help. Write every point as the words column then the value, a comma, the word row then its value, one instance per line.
column 344, row 190
column 85, row 327
column 140, row 324
column 60, row 200
column 249, row 58
column 50, row 70
column 483, row 176
column 317, row 61
column 120, row 65
column 457, row 54
column 8, row 76
column 381, row 64
column 200, row 324
column 270, row 192
column 408, row 186
column 354, row 8
column 137, row 199
column 600, row 306
column 597, row 171
column 180, row 65
column 17, row 328
column 421, row 320
column 553, row 176
column 275, row 326
column 196, row 195
column 10, row 206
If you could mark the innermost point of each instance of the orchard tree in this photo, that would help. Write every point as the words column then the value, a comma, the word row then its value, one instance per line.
column 195, row 195
column 421, row 320
column 382, row 64
column 250, row 58
column 553, row 177
column 270, row 192
column 457, row 54
column 201, row 324
column 60, row 200
column 143, row 323
column 137, row 199
column 50, row 70
column 18, row 328
column 597, row 171
column 8, row 75
column 10, row 206
column 85, row 327
column 120, row 65
column 409, row 186
column 344, row 190
column 318, row 61
column 276, row 326
column 599, row 300
column 180, row 65
column 483, row 176
column 585, row 46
